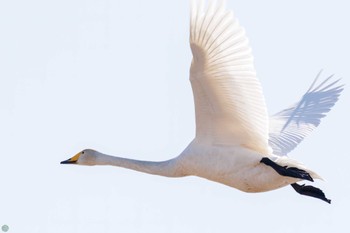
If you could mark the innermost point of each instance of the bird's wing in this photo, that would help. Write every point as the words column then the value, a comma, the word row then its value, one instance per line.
column 290, row 126
column 229, row 103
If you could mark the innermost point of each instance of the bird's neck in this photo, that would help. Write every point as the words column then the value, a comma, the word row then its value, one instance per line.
column 169, row 168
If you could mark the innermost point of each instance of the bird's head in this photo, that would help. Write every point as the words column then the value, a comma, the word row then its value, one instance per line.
column 84, row 157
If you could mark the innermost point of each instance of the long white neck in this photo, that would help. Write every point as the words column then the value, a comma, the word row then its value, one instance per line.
column 169, row 168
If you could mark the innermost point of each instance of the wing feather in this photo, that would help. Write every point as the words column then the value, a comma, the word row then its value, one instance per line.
column 229, row 103
column 290, row 126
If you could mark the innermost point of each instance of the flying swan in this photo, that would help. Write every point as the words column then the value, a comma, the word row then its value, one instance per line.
column 236, row 144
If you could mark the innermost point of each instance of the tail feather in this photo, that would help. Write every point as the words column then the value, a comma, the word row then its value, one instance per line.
column 286, row 161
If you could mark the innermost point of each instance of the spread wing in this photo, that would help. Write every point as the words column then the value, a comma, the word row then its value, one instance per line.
column 229, row 103
column 290, row 126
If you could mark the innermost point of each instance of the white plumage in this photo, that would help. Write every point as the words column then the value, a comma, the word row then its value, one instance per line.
column 290, row 126
column 236, row 143
column 230, row 106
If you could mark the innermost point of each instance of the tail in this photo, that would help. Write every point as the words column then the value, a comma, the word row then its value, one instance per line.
column 285, row 161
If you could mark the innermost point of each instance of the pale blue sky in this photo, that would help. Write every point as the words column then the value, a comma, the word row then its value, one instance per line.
column 113, row 76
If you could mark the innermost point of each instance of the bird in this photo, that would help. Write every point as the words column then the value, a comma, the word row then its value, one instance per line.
column 236, row 143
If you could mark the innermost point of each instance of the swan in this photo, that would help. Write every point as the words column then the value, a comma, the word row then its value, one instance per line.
column 235, row 143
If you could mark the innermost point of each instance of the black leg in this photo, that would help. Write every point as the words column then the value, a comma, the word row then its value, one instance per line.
column 311, row 191
column 287, row 171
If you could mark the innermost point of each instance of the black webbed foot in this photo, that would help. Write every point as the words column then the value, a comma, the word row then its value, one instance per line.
column 287, row 171
column 311, row 191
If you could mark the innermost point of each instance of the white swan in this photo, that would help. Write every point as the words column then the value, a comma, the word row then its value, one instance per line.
column 236, row 144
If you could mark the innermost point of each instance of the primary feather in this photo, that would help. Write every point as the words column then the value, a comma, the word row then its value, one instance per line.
column 290, row 126
column 229, row 103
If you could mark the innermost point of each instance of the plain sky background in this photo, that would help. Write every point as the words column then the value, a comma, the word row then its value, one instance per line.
column 113, row 76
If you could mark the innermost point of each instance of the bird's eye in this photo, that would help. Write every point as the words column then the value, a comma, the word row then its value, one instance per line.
column 83, row 152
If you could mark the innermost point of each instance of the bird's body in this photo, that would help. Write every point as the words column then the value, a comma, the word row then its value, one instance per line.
column 237, row 167
column 236, row 143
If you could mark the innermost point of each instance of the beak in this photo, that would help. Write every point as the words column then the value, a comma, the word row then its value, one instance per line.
column 68, row 161
column 72, row 160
